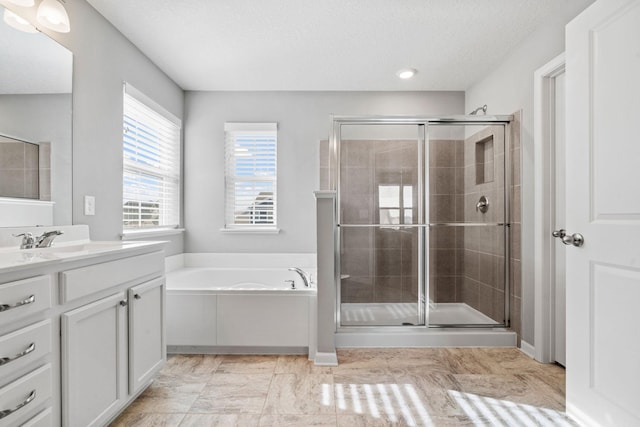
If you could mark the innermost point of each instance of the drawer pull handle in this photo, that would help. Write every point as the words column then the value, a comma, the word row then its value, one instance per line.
column 7, row 412
column 5, row 360
column 30, row 300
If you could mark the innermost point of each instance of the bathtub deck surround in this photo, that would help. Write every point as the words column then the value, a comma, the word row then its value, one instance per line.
column 370, row 387
column 241, row 303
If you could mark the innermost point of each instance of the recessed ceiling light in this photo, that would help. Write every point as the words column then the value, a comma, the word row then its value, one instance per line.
column 406, row 73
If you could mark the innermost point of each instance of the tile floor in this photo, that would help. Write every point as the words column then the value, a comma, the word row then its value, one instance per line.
column 370, row 387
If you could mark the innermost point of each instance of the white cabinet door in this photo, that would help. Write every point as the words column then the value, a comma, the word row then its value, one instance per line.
column 94, row 361
column 147, row 349
column 603, row 276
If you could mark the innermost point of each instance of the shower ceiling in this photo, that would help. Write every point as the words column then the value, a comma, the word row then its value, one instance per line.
column 328, row 44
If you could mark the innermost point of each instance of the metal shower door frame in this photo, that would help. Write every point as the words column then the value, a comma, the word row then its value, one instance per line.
column 423, row 123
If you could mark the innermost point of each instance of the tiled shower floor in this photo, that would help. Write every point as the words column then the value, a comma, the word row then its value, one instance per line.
column 371, row 314
column 370, row 387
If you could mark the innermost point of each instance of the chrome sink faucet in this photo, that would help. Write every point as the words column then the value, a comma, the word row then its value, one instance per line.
column 43, row 241
column 28, row 241
column 306, row 278
column 46, row 239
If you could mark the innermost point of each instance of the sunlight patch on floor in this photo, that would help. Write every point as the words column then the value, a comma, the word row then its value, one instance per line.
column 402, row 403
column 497, row 412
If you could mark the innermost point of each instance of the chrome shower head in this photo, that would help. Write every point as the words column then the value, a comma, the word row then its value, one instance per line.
column 483, row 108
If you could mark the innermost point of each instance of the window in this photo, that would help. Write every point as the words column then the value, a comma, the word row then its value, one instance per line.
column 151, row 164
column 251, row 176
column 392, row 203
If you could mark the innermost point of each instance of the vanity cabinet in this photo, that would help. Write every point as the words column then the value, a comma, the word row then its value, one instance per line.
column 112, row 347
column 81, row 331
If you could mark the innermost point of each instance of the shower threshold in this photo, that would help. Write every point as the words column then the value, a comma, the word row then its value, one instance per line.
column 404, row 314
column 381, row 325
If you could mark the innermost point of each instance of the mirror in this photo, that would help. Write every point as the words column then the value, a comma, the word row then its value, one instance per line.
column 35, row 116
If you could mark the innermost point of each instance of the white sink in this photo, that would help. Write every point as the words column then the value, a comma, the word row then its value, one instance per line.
column 71, row 250
column 14, row 257
column 83, row 247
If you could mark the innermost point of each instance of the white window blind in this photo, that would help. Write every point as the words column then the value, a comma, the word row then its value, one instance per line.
column 151, row 164
column 251, row 175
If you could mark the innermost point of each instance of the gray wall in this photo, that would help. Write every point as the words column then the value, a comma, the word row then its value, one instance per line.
column 44, row 118
column 507, row 89
column 304, row 120
column 102, row 60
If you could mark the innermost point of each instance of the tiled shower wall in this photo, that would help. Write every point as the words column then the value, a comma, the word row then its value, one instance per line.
column 378, row 264
column 482, row 286
column 18, row 169
column 446, row 205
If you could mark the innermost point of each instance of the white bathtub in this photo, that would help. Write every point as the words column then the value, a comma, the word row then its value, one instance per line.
column 236, row 279
column 214, row 305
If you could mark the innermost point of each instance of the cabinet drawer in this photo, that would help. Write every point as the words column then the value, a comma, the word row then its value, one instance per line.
column 24, row 396
column 94, row 278
column 23, row 346
column 24, row 298
column 43, row 419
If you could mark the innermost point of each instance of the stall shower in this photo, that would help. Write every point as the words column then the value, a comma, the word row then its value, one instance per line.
column 424, row 221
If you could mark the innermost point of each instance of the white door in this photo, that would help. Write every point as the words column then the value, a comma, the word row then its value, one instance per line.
column 560, row 221
column 603, row 204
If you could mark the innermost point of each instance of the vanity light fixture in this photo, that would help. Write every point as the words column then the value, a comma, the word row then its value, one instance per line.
column 52, row 14
column 17, row 22
column 23, row 3
column 406, row 73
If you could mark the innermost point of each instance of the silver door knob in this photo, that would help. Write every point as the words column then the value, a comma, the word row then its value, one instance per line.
column 575, row 239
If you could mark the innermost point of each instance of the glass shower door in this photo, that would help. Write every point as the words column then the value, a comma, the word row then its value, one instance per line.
column 381, row 218
column 468, row 232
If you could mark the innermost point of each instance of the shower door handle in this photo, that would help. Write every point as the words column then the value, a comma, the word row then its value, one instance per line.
column 575, row 239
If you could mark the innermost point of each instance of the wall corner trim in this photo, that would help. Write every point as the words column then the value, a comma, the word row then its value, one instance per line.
column 326, row 359
column 528, row 349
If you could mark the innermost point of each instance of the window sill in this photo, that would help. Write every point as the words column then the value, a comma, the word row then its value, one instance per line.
column 153, row 232
column 250, row 230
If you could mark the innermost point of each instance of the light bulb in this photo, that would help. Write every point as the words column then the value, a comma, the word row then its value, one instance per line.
column 406, row 73
column 18, row 22
column 51, row 14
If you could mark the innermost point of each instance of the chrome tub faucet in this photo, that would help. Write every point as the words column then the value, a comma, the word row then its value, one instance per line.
column 306, row 278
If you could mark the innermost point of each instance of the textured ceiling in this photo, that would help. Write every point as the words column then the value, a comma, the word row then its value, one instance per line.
column 325, row 44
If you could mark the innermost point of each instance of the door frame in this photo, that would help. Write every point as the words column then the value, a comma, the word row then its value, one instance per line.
column 544, row 214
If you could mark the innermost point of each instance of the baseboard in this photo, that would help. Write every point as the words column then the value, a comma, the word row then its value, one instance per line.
column 326, row 359
column 214, row 349
column 527, row 349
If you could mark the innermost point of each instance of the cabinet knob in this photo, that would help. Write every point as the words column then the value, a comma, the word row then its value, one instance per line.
column 123, row 303
column 137, row 296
